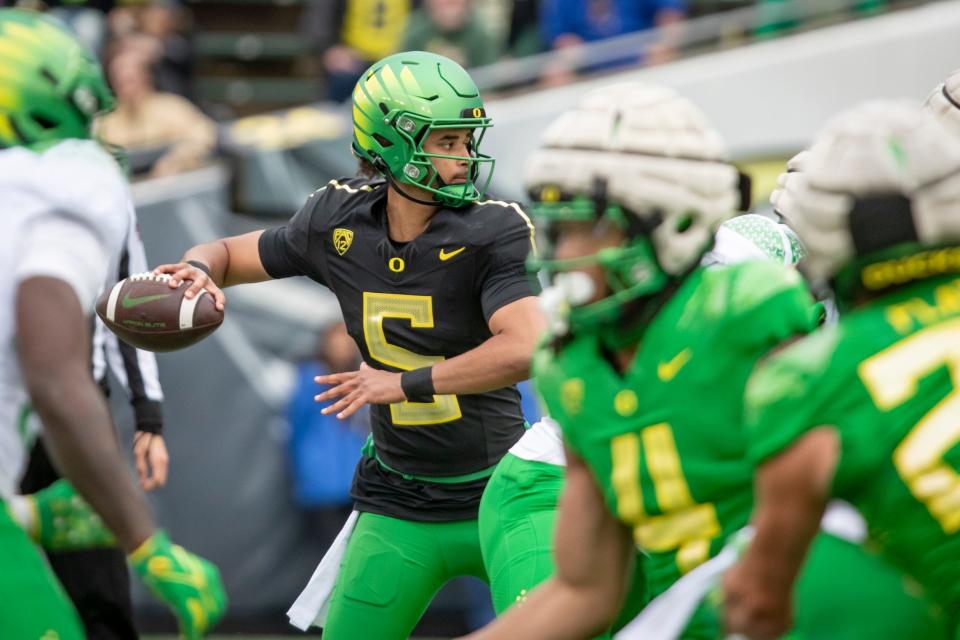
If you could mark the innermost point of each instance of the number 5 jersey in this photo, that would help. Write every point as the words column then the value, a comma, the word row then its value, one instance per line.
column 411, row 305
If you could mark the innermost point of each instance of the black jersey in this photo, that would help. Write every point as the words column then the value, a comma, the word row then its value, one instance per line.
column 410, row 305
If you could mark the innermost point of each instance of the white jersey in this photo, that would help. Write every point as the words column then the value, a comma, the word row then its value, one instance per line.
column 64, row 213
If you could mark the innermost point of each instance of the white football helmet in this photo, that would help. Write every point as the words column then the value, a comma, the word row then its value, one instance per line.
column 833, row 195
column 659, row 159
column 944, row 102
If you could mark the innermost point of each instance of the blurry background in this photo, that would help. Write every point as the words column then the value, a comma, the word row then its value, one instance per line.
column 231, row 113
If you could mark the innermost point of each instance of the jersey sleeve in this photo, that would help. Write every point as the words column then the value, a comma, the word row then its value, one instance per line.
column 503, row 273
column 292, row 250
column 67, row 248
column 769, row 304
column 783, row 398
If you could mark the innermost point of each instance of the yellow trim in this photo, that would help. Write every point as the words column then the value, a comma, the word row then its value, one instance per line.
column 522, row 214
column 145, row 550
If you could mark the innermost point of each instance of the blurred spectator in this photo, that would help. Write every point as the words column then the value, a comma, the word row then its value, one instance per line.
column 451, row 28
column 528, row 402
column 524, row 37
column 86, row 18
column 350, row 35
column 147, row 120
column 163, row 28
column 565, row 24
column 323, row 450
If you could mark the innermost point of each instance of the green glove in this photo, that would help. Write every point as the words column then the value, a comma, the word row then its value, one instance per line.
column 58, row 519
column 187, row 583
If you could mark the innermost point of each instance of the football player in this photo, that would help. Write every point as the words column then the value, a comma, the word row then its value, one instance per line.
column 431, row 281
column 58, row 246
column 646, row 371
column 866, row 410
column 519, row 506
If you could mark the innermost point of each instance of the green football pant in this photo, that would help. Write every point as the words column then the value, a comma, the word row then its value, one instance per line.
column 33, row 606
column 845, row 593
column 517, row 516
column 391, row 570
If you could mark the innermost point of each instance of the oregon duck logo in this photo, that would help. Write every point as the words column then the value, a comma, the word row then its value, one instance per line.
column 342, row 239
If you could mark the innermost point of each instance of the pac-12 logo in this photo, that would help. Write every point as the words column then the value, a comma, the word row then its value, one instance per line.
column 342, row 239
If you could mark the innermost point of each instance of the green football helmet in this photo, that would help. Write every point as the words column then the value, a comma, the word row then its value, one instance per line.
column 641, row 159
column 397, row 103
column 51, row 86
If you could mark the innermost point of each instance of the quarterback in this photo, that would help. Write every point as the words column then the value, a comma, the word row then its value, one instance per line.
column 866, row 410
column 646, row 370
column 431, row 282
column 57, row 248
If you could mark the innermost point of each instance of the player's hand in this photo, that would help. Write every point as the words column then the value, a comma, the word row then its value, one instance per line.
column 150, row 455
column 199, row 281
column 58, row 519
column 186, row 583
column 753, row 608
column 357, row 388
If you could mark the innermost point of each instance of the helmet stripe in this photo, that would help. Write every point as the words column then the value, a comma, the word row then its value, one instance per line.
column 410, row 82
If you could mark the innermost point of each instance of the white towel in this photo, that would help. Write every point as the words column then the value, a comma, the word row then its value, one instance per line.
column 668, row 614
column 310, row 607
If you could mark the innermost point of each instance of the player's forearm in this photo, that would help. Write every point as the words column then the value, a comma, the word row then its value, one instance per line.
column 79, row 434
column 792, row 494
column 234, row 260
column 215, row 256
column 552, row 611
column 502, row 360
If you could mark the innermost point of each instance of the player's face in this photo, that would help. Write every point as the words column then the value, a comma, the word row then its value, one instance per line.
column 450, row 142
column 583, row 239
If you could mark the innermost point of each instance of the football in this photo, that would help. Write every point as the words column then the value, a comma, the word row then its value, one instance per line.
column 146, row 313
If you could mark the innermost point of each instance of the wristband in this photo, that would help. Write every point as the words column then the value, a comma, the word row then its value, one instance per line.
column 199, row 265
column 417, row 385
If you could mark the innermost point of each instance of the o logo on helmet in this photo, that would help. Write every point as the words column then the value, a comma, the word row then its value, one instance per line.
column 396, row 265
column 477, row 112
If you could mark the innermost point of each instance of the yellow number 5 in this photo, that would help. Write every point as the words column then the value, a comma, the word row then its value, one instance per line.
column 419, row 311
column 891, row 377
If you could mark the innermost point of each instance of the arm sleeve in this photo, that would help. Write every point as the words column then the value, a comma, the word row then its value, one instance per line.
column 504, row 276
column 286, row 251
column 68, row 248
column 134, row 368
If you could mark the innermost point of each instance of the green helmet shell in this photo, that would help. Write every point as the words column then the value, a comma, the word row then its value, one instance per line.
column 51, row 86
column 397, row 103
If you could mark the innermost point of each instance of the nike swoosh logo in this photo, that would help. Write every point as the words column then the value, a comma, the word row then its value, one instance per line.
column 667, row 371
column 129, row 303
column 444, row 256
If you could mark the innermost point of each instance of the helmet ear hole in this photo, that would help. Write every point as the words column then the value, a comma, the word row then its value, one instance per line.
column 685, row 222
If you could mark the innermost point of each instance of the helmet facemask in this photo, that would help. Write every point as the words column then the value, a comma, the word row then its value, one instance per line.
column 630, row 271
column 419, row 169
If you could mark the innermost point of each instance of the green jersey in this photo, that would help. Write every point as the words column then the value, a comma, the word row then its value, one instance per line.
column 664, row 440
column 887, row 379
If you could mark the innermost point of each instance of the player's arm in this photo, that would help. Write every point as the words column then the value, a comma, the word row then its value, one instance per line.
column 792, row 490
column 225, row 262
column 502, row 359
column 593, row 553
column 53, row 337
